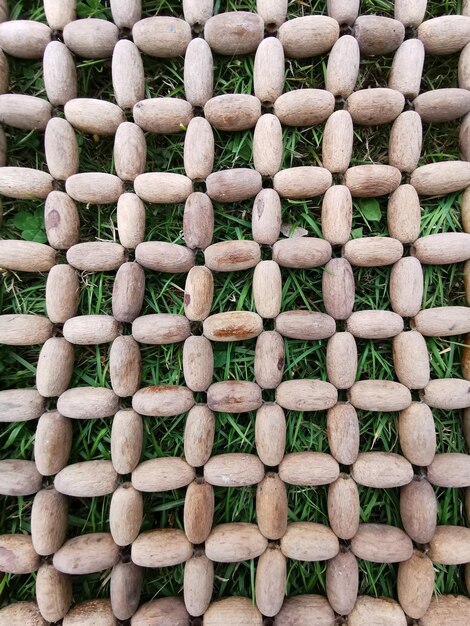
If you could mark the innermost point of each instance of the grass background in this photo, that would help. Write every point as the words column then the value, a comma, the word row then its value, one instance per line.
column 23, row 293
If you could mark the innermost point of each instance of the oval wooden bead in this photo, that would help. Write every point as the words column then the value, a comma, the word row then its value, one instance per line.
column 233, row 112
column 306, row 395
column 382, row 470
column 62, row 291
column 466, row 359
column 26, row 256
column 197, row 12
column 159, row 610
column 161, row 256
column 442, row 105
column 442, row 248
column 415, row 584
column 271, row 506
column 162, row 400
column 198, row 221
column 160, row 329
column 337, row 142
column 234, row 32
column 162, row 547
column 342, row 582
column 368, row 609
column 61, row 149
column 87, row 403
column 451, row 469
column 373, row 251
column 341, row 360
column 198, row 72
column 308, row 468
column 379, row 395
column 48, row 521
column 235, row 542
column 162, row 115
column 270, row 582
column 59, row 73
column 124, row 589
column 343, row 507
column 26, row 112
column 87, row 479
column 450, row 545
column 198, row 293
column 301, row 252
column 91, row 329
column 198, row 583
column 198, row 510
column 343, row 11
column 23, row 614
column 308, row 541
column 343, row 432
column 125, row 514
column 343, row 67
column 4, row 77
column 380, row 543
column 267, row 145
column 411, row 359
column 124, row 366
column 464, row 143
column 266, row 217
column 233, row 185
column 53, row 593
column 304, row 107
column 238, row 610
column 163, row 188
column 52, row 442
column 267, row 289
column 128, row 292
column 58, row 14
column 445, row 34
column 198, row 363
column 270, row 434
column 464, row 68
column 378, row 35
column 94, row 188
column 198, row 149
column 406, row 287
column 86, row 554
column 24, row 183
column 407, row 68
column 304, row 609
column 374, row 324
column 127, row 74
column 439, row 179
column 161, row 36
column 17, row 555
column 233, row 470
column 445, row 608
column 268, row 71
column 55, row 367
column 269, row 360
column 125, row 14
column 366, row 181
column 126, row 440
column 25, row 39
column 410, row 14
column 20, row 405
column 199, row 435
column 338, row 288
column 308, row 36
column 91, row 38
column 404, row 214
column 130, row 220
column 97, row 611
column 234, row 396
column 24, row 330
column 61, row 220
column 130, row 151
column 417, row 434
column 305, row 325
column 443, row 321
column 406, row 139
column 233, row 326
column 418, row 510
column 273, row 13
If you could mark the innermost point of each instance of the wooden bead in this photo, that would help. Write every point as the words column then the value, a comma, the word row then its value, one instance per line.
column 378, row 35
column 336, row 215
column 161, row 36
column 404, row 214
column 62, row 291
column 273, row 13
column 161, row 256
column 198, row 149
column 25, row 39
column 91, row 38
column 196, row 13
column 130, row 220
column 266, row 217
column 233, row 185
column 304, row 107
column 17, row 555
column 442, row 248
column 306, row 395
column 373, row 251
column 55, row 367
column 163, row 188
column 342, row 582
column 94, row 188
column 198, row 363
column 234, row 396
column 233, row 470
column 380, row 543
column 308, row 541
column 343, row 432
column 337, row 142
column 198, row 293
column 59, row 73
column 446, row 607
column 450, row 545
column 124, row 589
column 53, row 593
column 124, row 366
column 417, row 434
column 410, row 14
column 128, row 292
column 375, row 106
column 160, row 329
column 48, row 521
column 235, row 542
column 86, row 554
column 338, row 288
column 58, row 14
column 159, row 610
column 301, row 252
column 20, row 405
column 445, row 34
column 267, row 289
column 199, row 435
column 415, row 584
column 269, row 359
column 4, row 76
column 24, row 183
column 407, row 68
column 411, row 359
column 198, row 510
column 162, row 400
column 26, row 256
column 368, row 609
column 343, row 506
column 270, row 581
column 439, row 179
column 341, row 360
column 406, row 138
column 232, row 112
column 374, row 324
column 305, row 325
column 61, row 149
column 98, row 611
column 61, row 220
column 267, row 145
column 308, row 36
column 304, row 609
column 442, row 105
column 94, row 116
column 52, row 442
column 451, row 469
column 198, row 221
column 233, row 326
column 26, row 112
column 162, row 115
column 87, row 479
column 406, row 287
column 91, row 329
column 268, row 72
column 24, row 330
column 125, row 14
column 198, row 583
column 270, row 434
column 87, row 403
column 125, row 514
column 382, row 470
column 271, row 506
column 308, row 468
column 238, row 610
column 234, row 32
column 198, row 72
column 379, row 395
column 442, row 321
column 126, row 441
column 464, row 145
column 343, row 67
column 366, row 181
column 130, row 151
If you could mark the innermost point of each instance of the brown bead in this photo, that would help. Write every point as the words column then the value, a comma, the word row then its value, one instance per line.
column 130, row 150
column 270, row 581
column 233, row 470
column 163, row 187
column 446, row 608
column 341, row 360
column 199, row 435
column 304, row 609
column 162, row 36
column 232, row 112
column 128, row 292
column 308, row 36
column 418, row 510
column 343, row 66
column 235, row 542
column 91, row 38
column 91, row 329
column 306, row 395
column 48, row 521
column 162, row 474
column 20, row 405
column 52, row 443
column 232, row 256
column 308, row 541
column 411, row 359
column 198, row 71
column 404, row 214
column 442, row 248
column 268, row 72
column 337, row 142
column 161, row 256
column 415, row 584
column 304, row 107
column 238, row 610
column 25, row 39
column 439, row 179
column 417, row 434
column 124, row 366
column 442, row 321
column 374, row 324
column 373, row 251
column 305, row 325
column 343, row 507
column 198, row 293
column 270, row 433
column 233, row 185
column 267, row 144
column 126, row 440
column 19, row 478
column 269, row 359
column 451, row 469
column 368, row 610
column 343, row 433
column 338, row 288
column 159, row 610
column 342, row 582
column 17, row 555
column 125, row 514
column 57, row 16
column 450, row 545
column 198, row 583
column 380, row 543
column 382, row 470
column 271, row 506
column 447, row 393
column 59, row 73
column 198, row 363
column 445, row 34
column 61, row 220
column 127, row 75
column 160, row 329
column 198, row 221
column 378, row 35
column 336, row 215
column 26, row 256
column 124, row 589
column 62, row 292
column 407, row 68
column 162, row 400
column 87, row 403
column 234, row 32
column 366, row 181
column 406, row 138
column 308, row 468
column 87, row 479
column 162, row 547
column 273, row 13
column 378, row 105
column 379, row 395
column 53, row 593
column 198, row 510
column 302, row 182
column 96, row 256
column 24, row 330
column 301, row 252
column 61, row 149
column 266, row 217
column 233, row 326
column 199, row 148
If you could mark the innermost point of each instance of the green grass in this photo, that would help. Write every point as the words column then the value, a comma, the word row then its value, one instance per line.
column 23, row 293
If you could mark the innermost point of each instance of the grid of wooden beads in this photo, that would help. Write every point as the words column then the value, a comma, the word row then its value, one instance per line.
column 272, row 540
